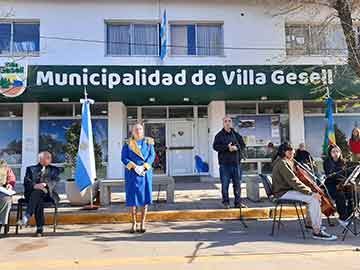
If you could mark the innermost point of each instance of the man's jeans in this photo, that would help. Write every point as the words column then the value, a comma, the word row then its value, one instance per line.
column 230, row 173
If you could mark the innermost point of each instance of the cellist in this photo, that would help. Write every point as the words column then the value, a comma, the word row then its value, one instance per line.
column 286, row 185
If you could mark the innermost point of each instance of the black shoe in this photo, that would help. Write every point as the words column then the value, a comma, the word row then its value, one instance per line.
column 226, row 205
column 39, row 232
column 324, row 236
column 238, row 205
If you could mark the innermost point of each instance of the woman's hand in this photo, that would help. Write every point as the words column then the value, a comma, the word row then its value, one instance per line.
column 9, row 187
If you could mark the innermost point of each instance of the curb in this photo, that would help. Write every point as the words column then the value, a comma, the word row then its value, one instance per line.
column 160, row 216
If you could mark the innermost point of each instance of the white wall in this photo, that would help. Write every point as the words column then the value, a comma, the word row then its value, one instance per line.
column 296, row 122
column 216, row 112
column 246, row 25
column 30, row 135
column 117, row 123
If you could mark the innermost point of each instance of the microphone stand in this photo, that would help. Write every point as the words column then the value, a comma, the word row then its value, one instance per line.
column 238, row 159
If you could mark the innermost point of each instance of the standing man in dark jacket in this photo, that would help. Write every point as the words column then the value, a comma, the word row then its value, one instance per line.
column 230, row 147
column 40, row 187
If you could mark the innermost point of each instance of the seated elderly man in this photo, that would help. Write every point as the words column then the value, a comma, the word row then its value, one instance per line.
column 40, row 187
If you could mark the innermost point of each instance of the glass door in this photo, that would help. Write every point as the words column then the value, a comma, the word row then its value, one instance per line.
column 158, row 132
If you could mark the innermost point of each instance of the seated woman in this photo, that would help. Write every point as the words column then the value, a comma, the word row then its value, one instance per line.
column 7, row 180
column 335, row 170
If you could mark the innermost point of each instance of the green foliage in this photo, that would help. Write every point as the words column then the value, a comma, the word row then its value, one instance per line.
column 71, row 148
column 4, row 83
column 342, row 142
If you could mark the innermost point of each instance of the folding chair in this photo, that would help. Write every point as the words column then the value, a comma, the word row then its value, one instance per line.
column 22, row 204
column 266, row 180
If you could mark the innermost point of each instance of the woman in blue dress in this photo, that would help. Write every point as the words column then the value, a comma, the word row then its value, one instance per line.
column 137, row 155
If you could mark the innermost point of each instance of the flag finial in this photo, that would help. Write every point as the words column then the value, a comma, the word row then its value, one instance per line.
column 85, row 93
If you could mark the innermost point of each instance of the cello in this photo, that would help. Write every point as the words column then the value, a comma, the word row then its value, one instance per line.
column 327, row 207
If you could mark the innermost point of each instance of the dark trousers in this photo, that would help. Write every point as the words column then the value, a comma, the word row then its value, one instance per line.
column 343, row 200
column 231, row 173
column 36, row 206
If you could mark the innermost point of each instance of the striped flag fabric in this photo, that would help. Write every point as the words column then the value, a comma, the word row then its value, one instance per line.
column 329, row 138
column 163, row 37
column 85, row 172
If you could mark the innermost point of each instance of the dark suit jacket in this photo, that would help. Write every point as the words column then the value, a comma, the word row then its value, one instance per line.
column 32, row 177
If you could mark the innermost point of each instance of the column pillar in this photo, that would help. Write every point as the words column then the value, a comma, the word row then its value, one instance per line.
column 117, row 126
column 296, row 122
column 216, row 112
column 30, row 135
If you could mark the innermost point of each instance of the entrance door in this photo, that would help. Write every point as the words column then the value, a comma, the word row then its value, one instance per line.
column 181, row 147
column 158, row 132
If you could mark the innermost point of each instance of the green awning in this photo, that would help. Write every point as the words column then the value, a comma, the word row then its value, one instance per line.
column 137, row 85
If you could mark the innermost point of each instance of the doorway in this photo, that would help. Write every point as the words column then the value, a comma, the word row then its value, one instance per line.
column 181, row 147
column 158, row 132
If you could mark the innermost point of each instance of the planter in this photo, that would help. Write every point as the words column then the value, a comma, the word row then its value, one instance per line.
column 74, row 195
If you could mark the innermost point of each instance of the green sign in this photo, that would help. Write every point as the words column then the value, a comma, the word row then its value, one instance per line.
column 135, row 85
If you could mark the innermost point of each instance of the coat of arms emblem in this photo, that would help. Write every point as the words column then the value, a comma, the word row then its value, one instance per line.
column 12, row 79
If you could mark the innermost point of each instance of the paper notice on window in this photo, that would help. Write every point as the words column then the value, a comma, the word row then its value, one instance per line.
column 7, row 192
column 300, row 40
column 275, row 127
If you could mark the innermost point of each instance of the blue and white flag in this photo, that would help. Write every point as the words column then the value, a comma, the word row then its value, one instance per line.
column 163, row 37
column 85, row 172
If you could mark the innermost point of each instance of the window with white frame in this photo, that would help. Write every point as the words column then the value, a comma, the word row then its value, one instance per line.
column 55, row 121
column 126, row 39
column 346, row 117
column 11, row 136
column 197, row 39
column 308, row 39
column 259, row 123
column 19, row 38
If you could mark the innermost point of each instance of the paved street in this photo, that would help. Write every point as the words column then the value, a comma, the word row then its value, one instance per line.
column 187, row 245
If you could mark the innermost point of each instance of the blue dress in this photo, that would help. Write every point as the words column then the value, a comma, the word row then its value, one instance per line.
column 138, row 188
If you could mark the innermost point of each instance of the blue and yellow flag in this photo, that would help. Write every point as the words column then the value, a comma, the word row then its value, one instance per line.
column 329, row 138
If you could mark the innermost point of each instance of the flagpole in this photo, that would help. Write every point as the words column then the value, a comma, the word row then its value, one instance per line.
column 87, row 101
column 91, row 189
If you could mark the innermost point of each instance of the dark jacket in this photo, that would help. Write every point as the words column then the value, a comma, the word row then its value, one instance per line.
column 335, row 171
column 33, row 176
column 284, row 179
column 303, row 156
column 221, row 142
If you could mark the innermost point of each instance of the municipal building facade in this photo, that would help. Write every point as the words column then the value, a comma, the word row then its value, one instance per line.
column 267, row 69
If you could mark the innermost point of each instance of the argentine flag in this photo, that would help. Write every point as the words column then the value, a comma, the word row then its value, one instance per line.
column 163, row 37
column 85, row 172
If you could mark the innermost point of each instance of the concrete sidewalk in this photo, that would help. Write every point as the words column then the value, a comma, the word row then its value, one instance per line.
column 178, row 245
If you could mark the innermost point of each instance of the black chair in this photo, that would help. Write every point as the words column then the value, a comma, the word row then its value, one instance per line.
column 7, row 226
column 266, row 180
column 22, row 204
